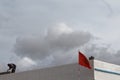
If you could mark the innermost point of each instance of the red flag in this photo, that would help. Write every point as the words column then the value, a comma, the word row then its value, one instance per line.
column 83, row 61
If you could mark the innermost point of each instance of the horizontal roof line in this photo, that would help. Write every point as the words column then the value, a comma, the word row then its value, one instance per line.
column 106, row 71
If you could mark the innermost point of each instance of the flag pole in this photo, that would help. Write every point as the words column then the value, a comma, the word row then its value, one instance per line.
column 83, row 61
column 78, row 67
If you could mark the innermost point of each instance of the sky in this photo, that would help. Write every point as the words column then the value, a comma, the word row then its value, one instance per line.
column 44, row 33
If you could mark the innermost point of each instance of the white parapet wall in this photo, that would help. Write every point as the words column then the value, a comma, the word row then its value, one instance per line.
column 100, row 71
column 64, row 72
column 106, row 71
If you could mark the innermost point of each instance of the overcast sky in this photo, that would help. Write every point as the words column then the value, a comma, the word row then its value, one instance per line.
column 50, row 32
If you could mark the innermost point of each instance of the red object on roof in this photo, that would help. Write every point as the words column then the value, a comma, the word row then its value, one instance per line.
column 83, row 61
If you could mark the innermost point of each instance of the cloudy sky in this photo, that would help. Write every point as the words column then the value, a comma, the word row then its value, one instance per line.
column 44, row 33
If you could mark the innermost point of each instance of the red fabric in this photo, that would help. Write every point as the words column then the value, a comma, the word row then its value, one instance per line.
column 83, row 61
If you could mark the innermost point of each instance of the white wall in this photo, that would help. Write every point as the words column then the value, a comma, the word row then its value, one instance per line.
column 106, row 71
column 65, row 72
column 69, row 72
column 106, row 76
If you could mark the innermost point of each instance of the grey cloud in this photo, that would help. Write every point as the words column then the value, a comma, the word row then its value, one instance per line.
column 31, row 17
column 61, row 10
column 70, row 41
column 40, row 48
column 104, row 53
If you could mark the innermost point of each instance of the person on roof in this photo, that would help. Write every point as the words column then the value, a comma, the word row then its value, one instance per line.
column 12, row 68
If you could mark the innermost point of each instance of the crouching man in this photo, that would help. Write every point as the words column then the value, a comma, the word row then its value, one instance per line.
column 12, row 68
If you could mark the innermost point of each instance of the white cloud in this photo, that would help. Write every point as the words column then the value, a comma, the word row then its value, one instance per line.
column 59, row 29
column 61, row 40
column 25, row 64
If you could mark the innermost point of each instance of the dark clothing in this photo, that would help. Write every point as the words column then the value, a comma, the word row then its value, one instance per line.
column 91, row 58
column 12, row 68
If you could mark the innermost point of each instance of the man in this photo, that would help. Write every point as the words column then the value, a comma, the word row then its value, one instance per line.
column 12, row 68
